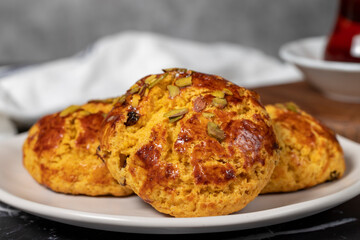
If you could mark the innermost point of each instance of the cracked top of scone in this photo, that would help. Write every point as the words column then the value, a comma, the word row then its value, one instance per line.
column 190, row 144
column 310, row 153
column 60, row 152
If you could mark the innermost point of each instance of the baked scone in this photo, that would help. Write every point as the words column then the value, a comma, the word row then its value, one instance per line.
column 190, row 144
column 60, row 152
column 309, row 152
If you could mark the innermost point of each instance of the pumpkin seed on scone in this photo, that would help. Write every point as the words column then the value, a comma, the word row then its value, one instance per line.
column 204, row 147
column 60, row 151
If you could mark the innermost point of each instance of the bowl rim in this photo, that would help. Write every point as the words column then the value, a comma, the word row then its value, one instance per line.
column 290, row 57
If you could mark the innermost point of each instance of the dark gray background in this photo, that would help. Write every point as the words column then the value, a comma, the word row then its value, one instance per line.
column 41, row 30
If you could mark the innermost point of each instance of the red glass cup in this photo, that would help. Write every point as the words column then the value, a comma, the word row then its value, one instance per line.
column 344, row 43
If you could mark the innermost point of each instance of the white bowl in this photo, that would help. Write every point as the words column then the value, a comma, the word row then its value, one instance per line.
column 337, row 80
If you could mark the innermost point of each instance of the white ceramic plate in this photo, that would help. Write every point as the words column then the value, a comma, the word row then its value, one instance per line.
column 338, row 80
column 131, row 214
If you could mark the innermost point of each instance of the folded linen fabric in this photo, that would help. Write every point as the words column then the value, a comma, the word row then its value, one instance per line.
column 114, row 63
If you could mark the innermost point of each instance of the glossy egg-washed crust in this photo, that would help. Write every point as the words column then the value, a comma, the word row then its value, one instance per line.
column 60, row 152
column 310, row 153
column 177, row 164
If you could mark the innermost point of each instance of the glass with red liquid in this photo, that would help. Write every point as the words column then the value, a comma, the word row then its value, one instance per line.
column 344, row 43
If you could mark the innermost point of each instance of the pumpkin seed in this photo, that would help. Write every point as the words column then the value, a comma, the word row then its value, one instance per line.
column 134, row 89
column 227, row 91
column 218, row 94
column 208, row 115
column 120, row 99
column 69, row 110
column 180, row 70
column 214, row 131
column 176, row 112
column 142, row 89
column 174, row 119
column 183, row 82
column 108, row 100
column 292, row 107
column 157, row 80
column 173, row 91
column 150, row 79
column 219, row 102
column 84, row 113
column 146, row 92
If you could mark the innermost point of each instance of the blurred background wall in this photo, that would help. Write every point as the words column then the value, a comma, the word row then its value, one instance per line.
column 42, row 30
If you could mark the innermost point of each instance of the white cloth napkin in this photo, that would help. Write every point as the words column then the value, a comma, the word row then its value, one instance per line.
column 114, row 63
column 7, row 128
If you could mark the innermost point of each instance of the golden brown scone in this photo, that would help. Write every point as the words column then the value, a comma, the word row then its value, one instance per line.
column 60, row 152
column 190, row 144
column 309, row 152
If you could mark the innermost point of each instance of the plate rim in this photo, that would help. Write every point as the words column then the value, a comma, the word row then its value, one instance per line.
column 178, row 225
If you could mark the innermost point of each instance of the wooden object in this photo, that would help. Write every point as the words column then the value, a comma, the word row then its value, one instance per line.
column 342, row 118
